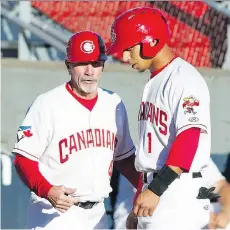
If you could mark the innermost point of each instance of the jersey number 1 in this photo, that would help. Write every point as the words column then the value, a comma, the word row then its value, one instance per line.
column 149, row 135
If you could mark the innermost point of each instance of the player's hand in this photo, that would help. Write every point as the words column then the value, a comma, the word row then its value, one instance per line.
column 219, row 220
column 145, row 203
column 131, row 222
column 58, row 197
column 212, row 221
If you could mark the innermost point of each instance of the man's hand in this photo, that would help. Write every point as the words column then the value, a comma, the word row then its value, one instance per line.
column 219, row 220
column 145, row 203
column 131, row 222
column 58, row 197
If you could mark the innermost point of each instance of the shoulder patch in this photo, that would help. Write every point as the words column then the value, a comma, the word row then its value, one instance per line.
column 189, row 104
column 24, row 131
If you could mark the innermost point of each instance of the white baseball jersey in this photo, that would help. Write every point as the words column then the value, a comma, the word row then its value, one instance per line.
column 174, row 100
column 75, row 147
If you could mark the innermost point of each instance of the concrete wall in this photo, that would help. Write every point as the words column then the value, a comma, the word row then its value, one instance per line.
column 23, row 81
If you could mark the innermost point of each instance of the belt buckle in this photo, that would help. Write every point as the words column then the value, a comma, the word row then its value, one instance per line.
column 86, row 205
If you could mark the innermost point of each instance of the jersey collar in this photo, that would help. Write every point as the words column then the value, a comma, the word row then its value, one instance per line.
column 89, row 104
column 154, row 73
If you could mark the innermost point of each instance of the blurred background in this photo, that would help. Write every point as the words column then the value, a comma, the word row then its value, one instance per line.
column 34, row 35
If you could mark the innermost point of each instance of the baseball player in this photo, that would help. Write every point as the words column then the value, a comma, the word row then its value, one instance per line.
column 220, row 216
column 173, row 125
column 220, row 211
column 69, row 140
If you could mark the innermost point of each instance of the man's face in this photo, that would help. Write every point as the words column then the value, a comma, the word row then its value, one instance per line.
column 85, row 76
column 132, row 56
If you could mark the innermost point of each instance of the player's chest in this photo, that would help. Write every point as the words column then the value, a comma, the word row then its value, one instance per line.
column 154, row 110
column 156, row 91
column 78, row 119
column 155, row 100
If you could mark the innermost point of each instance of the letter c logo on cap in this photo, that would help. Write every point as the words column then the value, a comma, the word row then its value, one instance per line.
column 87, row 46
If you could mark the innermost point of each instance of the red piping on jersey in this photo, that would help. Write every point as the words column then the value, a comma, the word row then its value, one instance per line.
column 192, row 126
column 184, row 149
column 29, row 173
column 17, row 150
column 89, row 104
column 154, row 73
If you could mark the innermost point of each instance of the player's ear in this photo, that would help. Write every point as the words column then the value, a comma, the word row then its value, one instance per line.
column 153, row 43
column 68, row 67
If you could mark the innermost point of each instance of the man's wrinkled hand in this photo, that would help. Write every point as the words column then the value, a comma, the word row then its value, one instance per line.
column 145, row 203
column 131, row 222
column 58, row 197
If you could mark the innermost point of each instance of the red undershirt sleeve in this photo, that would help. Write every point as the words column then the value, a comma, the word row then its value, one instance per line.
column 184, row 149
column 29, row 173
column 139, row 187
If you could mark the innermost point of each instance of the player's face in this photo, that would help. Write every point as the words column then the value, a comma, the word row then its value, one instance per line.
column 132, row 56
column 85, row 76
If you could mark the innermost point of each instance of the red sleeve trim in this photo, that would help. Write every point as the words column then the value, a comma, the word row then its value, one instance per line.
column 184, row 149
column 29, row 173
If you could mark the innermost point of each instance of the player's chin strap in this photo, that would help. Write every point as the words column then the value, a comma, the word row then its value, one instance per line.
column 164, row 178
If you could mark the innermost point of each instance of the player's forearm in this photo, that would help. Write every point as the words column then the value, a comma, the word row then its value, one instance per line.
column 224, row 192
column 184, row 149
column 139, row 187
column 29, row 173
column 127, row 169
column 176, row 169
column 219, row 184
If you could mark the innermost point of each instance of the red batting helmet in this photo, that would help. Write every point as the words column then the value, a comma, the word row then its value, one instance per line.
column 85, row 46
column 140, row 25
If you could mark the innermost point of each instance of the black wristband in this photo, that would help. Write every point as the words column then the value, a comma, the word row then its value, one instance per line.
column 164, row 178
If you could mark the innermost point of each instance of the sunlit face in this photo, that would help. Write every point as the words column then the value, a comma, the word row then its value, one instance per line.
column 85, row 76
column 132, row 56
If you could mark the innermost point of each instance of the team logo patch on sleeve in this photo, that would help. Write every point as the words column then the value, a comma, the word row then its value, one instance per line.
column 24, row 131
column 189, row 104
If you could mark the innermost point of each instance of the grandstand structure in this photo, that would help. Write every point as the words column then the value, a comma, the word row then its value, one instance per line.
column 200, row 30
